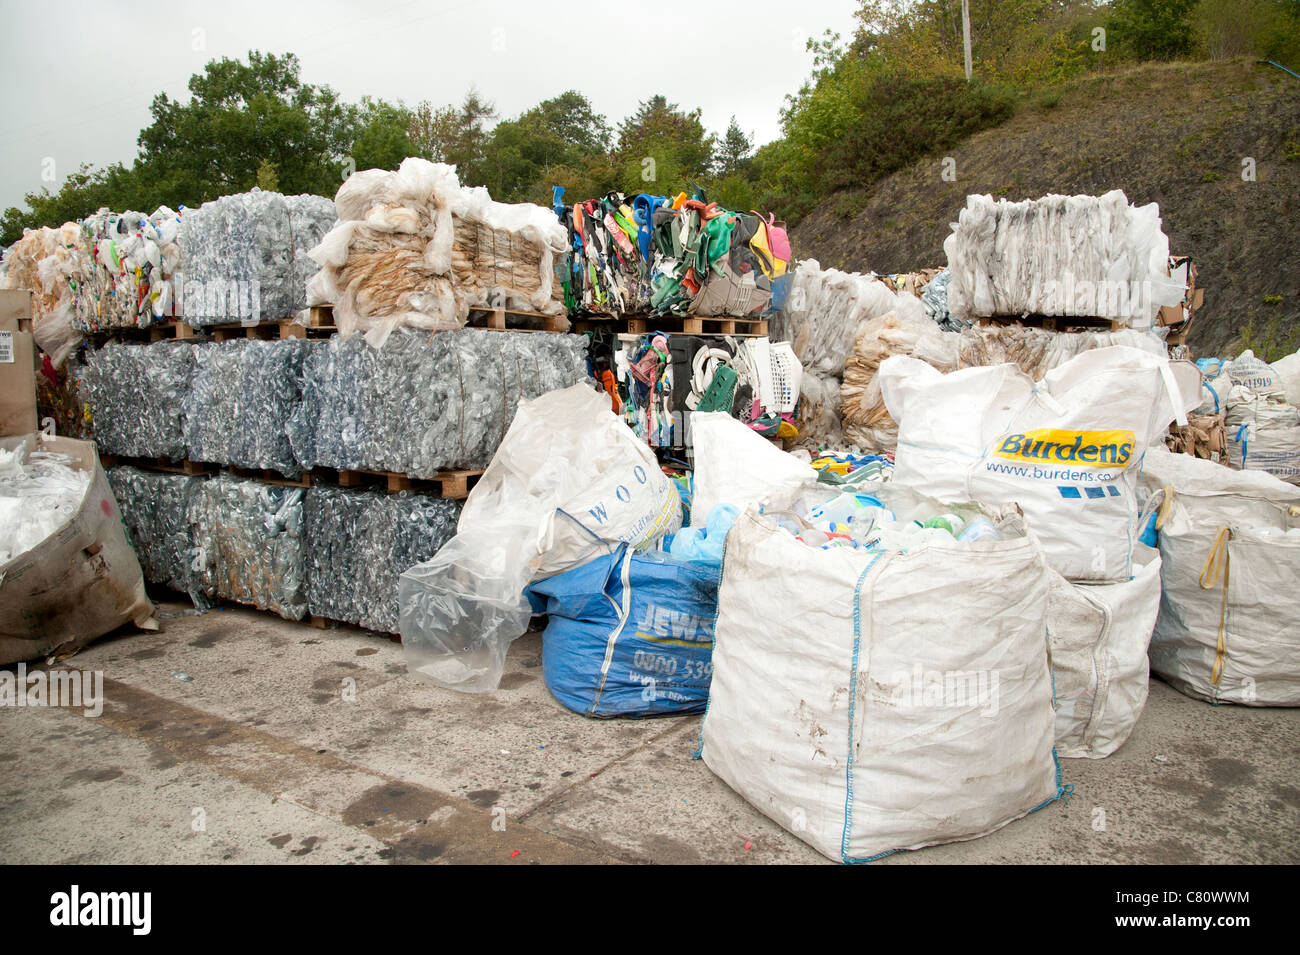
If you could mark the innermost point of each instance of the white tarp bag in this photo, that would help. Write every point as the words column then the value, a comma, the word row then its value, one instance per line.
column 734, row 465
column 1099, row 637
column 1288, row 372
column 1066, row 449
column 1263, row 431
column 570, row 481
column 875, row 701
column 1254, row 374
column 1229, row 623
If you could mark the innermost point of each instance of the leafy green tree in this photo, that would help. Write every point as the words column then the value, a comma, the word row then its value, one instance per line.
column 455, row 134
column 735, row 151
column 1151, row 29
column 383, row 140
column 662, row 147
column 563, row 132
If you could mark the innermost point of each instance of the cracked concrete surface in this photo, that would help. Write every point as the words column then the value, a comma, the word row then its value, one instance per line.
column 290, row 744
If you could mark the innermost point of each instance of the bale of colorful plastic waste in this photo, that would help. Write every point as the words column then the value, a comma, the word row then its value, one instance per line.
column 629, row 634
column 67, row 572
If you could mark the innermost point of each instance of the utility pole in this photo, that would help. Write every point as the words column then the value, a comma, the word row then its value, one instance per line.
column 965, row 34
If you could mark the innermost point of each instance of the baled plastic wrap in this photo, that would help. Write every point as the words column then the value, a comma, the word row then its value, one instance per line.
column 249, row 544
column 423, row 404
column 241, row 398
column 1060, row 255
column 237, row 260
column 157, row 509
column 132, row 261
column 1035, row 351
column 413, row 248
column 359, row 544
column 52, row 264
column 136, row 397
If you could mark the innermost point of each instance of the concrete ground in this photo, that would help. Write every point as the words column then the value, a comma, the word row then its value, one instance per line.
column 258, row 757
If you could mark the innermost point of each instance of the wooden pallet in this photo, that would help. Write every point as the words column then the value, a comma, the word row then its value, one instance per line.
column 452, row 484
column 190, row 468
column 1060, row 323
column 269, row 331
column 510, row 320
column 674, row 324
column 267, row 476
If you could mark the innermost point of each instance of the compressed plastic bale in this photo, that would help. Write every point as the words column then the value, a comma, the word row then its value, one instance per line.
column 51, row 263
column 421, row 405
column 135, row 396
column 156, row 511
column 132, row 261
column 1060, row 255
column 310, row 219
column 359, row 544
column 241, row 398
column 249, row 544
column 237, row 260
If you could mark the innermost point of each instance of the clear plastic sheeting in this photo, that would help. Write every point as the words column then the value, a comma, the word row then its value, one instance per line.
column 1035, row 351
column 136, row 397
column 156, row 510
column 413, row 248
column 569, row 482
column 361, row 541
column 422, row 404
column 242, row 258
column 40, row 492
column 49, row 263
column 240, row 400
column 249, row 544
column 1060, row 255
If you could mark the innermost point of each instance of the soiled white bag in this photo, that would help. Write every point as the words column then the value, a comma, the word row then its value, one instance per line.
column 1229, row 623
column 569, row 481
column 1099, row 638
column 870, row 702
column 1066, row 448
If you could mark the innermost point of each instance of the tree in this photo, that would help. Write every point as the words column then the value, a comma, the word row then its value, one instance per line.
column 240, row 115
column 563, row 132
column 383, row 140
column 455, row 135
column 1151, row 29
column 660, row 146
column 734, row 151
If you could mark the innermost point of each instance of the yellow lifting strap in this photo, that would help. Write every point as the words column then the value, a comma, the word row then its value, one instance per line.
column 1217, row 565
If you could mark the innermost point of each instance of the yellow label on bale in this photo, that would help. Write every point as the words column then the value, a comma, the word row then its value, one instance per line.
column 1088, row 449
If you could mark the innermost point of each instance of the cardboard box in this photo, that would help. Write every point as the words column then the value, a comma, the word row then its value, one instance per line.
column 17, row 364
column 1182, row 266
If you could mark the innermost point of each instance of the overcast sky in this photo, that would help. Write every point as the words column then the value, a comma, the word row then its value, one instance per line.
column 80, row 75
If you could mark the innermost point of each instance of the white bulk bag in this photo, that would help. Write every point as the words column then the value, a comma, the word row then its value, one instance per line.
column 1229, row 623
column 1099, row 636
column 870, row 702
column 1066, row 448
column 736, row 465
column 569, row 482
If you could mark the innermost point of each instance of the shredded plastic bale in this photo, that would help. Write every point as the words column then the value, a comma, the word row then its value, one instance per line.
column 156, row 509
column 242, row 257
column 240, row 400
column 51, row 264
column 361, row 541
column 412, row 248
column 1035, row 351
column 135, row 396
column 132, row 262
column 1060, row 255
column 40, row 492
column 422, row 404
column 250, row 547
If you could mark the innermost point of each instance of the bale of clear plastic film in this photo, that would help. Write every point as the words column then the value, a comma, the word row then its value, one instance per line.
column 156, row 511
column 422, row 404
column 241, row 257
column 241, row 397
column 1060, row 255
column 569, row 482
column 131, row 260
column 49, row 263
column 360, row 542
column 413, row 248
column 249, row 544
column 136, row 396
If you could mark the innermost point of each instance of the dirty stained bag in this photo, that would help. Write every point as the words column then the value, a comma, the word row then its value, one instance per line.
column 569, row 482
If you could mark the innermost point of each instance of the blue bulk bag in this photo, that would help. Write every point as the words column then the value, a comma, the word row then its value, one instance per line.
column 629, row 634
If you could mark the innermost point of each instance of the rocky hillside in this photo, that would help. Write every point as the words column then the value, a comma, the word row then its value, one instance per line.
column 1175, row 134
